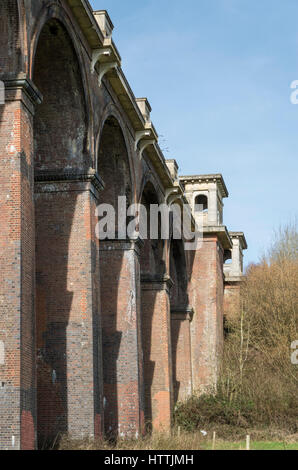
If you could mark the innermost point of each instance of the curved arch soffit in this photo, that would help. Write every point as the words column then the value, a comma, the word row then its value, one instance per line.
column 112, row 112
column 53, row 11
column 148, row 178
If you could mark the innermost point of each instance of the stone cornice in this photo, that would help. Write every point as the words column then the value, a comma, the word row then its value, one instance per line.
column 121, row 245
column 126, row 98
column 216, row 178
column 83, row 13
column 104, row 21
column 156, row 282
column 159, row 163
column 182, row 313
column 233, row 279
column 25, row 84
column 241, row 237
column 90, row 176
column 222, row 234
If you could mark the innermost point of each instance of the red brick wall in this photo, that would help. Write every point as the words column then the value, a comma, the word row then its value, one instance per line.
column 206, row 292
column 122, row 355
column 68, row 328
column 156, row 328
column 231, row 299
column 17, row 375
column 10, row 39
column 181, row 355
column 67, row 127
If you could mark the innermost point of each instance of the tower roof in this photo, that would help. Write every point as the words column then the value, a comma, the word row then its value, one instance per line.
column 241, row 237
column 216, row 178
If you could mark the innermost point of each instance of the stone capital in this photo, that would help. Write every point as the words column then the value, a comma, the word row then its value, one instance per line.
column 156, row 282
column 121, row 245
column 21, row 88
column 182, row 313
column 45, row 179
column 222, row 234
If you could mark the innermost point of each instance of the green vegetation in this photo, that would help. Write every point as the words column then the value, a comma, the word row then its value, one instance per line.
column 257, row 389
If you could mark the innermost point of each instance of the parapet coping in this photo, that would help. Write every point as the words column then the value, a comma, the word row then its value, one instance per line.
column 241, row 237
column 233, row 279
column 222, row 233
column 216, row 178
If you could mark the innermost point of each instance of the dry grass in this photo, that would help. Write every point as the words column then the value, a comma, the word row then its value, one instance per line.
column 260, row 440
column 186, row 441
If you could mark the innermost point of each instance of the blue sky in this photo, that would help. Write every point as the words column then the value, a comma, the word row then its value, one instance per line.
column 217, row 74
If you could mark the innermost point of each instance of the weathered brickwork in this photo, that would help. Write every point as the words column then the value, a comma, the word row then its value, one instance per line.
column 17, row 380
column 231, row 299
column 96, row 336
column 181, row 353
column 65, row 310
column 157, row 352
column 120, row 309
column 207, row 323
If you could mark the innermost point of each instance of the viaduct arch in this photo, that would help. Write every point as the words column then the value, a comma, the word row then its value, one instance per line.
column 96, row 336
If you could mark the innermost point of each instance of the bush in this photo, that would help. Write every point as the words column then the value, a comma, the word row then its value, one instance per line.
column 204, row 411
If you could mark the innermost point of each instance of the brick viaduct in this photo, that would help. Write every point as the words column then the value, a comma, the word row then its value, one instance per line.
column 95, row 336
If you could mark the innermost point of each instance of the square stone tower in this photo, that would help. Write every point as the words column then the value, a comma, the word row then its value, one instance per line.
column 205, row 194
column 233, row 271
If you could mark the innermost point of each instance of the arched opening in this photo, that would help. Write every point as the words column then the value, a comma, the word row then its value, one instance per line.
column 119, row 274
column 152, row 259
column 113, row 165
column 156, row 336
column 180, row 322
column 228, row 257
column 179, row 296
column 201, row 203
column 60, row 122
column 60, row 129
